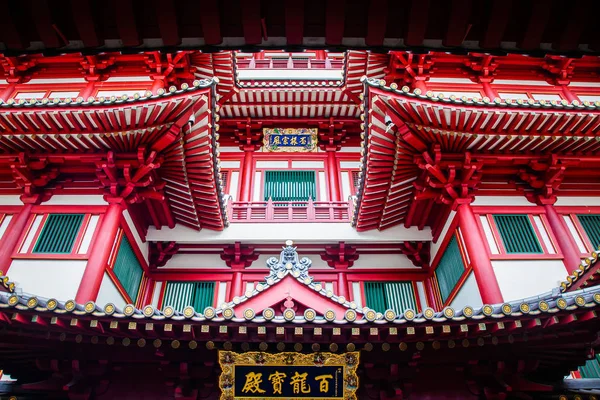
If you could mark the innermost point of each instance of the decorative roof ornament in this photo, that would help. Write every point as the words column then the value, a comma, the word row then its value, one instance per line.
column 289, row 263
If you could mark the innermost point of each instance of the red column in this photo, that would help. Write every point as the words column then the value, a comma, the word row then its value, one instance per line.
column 568, row 94
column 335, row 192
column 12, row 235
column 88, row 90
column 158, row 83
column 489, row 92
column 7, row 92
column 420, row 84
column 567, row 246
column 236, row 285
column 247, row 172
column 343, row 285
column 480, row 261
column 99, row 255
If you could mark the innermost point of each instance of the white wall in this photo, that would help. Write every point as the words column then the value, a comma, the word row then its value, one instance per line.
column 79, row 199
column 109, row 293
column 57, row 279
column 501, row 201
column 4, row 224
column 10, row 200
column 383, row 261
column 519, row 279
column 156, row 293
column 468, row 295
column 577, row 201
column 142, row 245
column 435, row 247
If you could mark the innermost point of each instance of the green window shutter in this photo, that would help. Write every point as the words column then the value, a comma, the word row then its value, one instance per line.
column 397, row 296
column 128, row 269
column 591, row 369
column 400, row 296
column 517, row 234
column 179, row 295
column 450, row 269
column 591, row 226
column 290, row 185
column 59, row 234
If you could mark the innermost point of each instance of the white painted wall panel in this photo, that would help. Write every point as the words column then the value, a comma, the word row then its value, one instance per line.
column 272, row 164
column 109, row 293
column 487, row 230
column 57, row 279
column 230, row 164
column 308, row 164
column 4, row 224
column 329, row 286
column 31, row 234
column 323, row 195
column 257, row 189
column 138, row 240
column 575, row 233
column 501, row 201
column 382, row 261
column 156, row 293
column 183, row 260
column 79, row 200
column 10, row 200
column 346, row 182
column 234, row 181
column 89, row 233
column 350, row 164
column 577, row 201
column 356, row 294
column 545, row 237
column 519, row 279
column 468, row 295
column 421, row 293
column 221, row 291
column 435, row 247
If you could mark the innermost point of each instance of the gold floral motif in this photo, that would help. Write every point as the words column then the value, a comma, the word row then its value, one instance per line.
column 228, row 359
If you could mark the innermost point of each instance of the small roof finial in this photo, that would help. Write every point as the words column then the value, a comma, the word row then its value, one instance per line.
column 289, row 242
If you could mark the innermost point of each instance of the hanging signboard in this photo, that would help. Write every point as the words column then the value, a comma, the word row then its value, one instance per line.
column 292, row 376
column 290, row 139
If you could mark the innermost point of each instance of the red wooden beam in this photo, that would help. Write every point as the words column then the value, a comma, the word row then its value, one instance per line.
column 125, row 19
column 496, row 26
column 42, row 19
column 251, row 23
column 9, row 34
column 211, row 22
column 575, row 25
column 377, row 22
column 84, row 22
column 458, row 22
column 417, row 23
column 334, row 23
column 294, row 21
column 540, row 14
column 167, row 22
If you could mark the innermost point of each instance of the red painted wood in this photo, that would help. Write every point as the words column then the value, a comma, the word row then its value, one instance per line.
column 251, row 23
column 342, row 282
column 480, row 262
column 294, row 21
column 334, row 23
column 377, row 23
column 13, row 233
column 126, row 23
column 333, row 174
column 99, row 255
column 167, row 22
column 84, row 22
column 236, row 285
column 247, row 173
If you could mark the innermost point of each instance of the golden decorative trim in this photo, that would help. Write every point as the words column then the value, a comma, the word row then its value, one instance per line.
column 228, row 360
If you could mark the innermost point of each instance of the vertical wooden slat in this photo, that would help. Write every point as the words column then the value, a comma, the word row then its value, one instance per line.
column 450, row 269
column 59, row 234
column 517, row 233
column 128, row 270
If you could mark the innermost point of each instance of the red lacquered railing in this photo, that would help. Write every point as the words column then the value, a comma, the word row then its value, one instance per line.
column 289, row 211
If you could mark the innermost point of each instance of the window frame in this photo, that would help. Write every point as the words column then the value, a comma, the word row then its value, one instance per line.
column 572, row 212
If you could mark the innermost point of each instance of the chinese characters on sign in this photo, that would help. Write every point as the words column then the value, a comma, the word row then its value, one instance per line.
column 290, row 376
column 263, row 381
column 290, row 139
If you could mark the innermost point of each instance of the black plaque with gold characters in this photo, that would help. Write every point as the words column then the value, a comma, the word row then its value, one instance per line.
column 254, row 375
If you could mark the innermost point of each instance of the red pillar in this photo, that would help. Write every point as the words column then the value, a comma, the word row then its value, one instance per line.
column 247, row 172
column 158, row 83
column 12, row 235
column 99, row 255
column 335, row 192
column 7, row 92
column 480, row 261
column 420, row 84
column 489, row 92
column 88, row 90
column 236, row 285
column 343, row 285
column 568, row 94
column 567, row 246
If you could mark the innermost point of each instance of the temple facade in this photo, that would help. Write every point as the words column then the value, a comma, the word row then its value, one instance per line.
column 311, row 224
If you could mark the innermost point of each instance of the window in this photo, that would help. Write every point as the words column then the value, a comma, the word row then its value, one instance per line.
column 397, row 296
column 591, row 226
column 225, row 180
column 199, row 295
column 517, row 233
column 128, row 269
column 450, row 269
column 355, row 175
column 290, row 185
column 591, row 369
column 58, row 234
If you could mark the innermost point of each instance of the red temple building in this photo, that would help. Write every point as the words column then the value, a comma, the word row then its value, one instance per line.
column 299, row 200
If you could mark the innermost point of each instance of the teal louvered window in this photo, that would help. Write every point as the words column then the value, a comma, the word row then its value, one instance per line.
column 591, row 369
column 199, row 295
column 397, row 296
column 290, row 185
column 591, row 226
column 128, row 269
column 450, row 269
column 517, row 233
column 58, row 234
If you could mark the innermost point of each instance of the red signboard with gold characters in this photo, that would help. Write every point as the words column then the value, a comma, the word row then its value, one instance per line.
column 292, row 376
